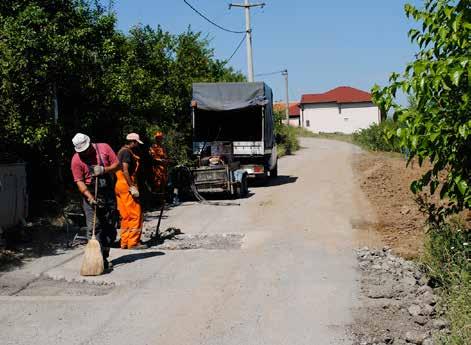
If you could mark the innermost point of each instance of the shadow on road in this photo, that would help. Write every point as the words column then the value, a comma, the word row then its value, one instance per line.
column 127, row 259
column 271, row 182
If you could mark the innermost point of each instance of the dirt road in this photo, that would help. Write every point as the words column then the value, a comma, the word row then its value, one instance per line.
column 287, row 275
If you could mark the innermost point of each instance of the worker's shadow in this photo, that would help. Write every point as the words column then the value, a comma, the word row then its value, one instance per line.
column 127, row 259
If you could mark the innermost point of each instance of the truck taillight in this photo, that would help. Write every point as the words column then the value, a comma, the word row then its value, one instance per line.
column 258, row 169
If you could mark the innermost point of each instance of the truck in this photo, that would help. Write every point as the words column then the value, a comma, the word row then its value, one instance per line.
column 233, row 135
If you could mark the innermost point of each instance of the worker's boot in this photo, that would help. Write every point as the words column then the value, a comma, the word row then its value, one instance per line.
column 107, row 265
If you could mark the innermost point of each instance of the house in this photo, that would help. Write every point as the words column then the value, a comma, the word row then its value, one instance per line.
column 294, row 112
column 343, row 110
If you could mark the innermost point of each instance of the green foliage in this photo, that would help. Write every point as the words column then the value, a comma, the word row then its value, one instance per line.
column 286, row 136
column 106, row 83
column 438, row 127
column 375, row 137
column 448, row 261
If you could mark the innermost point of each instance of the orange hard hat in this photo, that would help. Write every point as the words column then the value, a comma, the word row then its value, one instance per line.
column 158, row 134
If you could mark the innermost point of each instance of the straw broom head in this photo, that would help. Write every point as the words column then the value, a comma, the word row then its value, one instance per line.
column 92, row 264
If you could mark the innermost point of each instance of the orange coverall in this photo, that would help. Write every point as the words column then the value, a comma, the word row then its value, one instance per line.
column 129, row 207
column 159, row 168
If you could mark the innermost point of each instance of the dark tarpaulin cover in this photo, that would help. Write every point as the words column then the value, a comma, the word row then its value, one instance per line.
column 221, row 97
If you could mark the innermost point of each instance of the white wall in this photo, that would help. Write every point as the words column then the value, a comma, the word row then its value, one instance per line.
column 343, row 118
column 294, row 122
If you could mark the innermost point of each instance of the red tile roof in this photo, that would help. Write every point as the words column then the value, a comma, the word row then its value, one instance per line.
column 293, row 108
column 342, row 94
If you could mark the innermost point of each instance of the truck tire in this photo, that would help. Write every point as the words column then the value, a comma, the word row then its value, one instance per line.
column 242, row 189
column 274, row 171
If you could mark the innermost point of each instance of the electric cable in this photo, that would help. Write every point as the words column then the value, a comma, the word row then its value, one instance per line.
column 236, row 50
column 210, row 21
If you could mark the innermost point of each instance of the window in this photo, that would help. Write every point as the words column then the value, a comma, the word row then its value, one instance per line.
column 308, row 123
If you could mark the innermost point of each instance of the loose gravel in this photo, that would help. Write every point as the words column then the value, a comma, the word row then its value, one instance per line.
column 397, row 306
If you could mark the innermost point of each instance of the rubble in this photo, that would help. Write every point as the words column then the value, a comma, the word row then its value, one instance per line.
column 396, row 304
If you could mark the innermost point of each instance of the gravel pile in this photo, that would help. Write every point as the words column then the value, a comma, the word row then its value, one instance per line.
column 397, row 305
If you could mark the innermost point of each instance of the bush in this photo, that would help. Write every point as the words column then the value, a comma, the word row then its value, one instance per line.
column 448, row 261
column 286, row 136
column 287, row 140
column 374, row 137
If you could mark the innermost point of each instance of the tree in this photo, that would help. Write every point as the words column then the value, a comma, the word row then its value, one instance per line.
column 438, row 127
column 105, row 83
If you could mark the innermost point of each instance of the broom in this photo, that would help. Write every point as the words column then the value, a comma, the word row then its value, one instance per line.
column 92, row 264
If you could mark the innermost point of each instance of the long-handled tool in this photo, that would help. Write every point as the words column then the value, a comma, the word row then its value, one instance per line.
column 92, row 264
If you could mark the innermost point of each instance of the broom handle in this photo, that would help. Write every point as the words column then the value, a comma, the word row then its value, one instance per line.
column 94, row 208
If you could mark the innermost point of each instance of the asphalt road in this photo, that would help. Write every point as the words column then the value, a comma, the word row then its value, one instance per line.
column 292, row 281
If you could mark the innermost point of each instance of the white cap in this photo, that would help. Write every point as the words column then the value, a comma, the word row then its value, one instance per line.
column 81, row 142
column 134, row 136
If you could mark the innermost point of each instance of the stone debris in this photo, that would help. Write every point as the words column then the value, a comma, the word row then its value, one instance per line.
column 397, row 306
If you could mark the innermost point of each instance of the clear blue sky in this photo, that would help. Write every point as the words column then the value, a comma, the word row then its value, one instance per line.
column 323, row 44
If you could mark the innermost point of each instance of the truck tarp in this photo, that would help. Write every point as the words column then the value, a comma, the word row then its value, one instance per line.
column 221, row 97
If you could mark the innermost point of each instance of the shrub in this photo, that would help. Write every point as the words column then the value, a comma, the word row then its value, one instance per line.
column 286, row 136
column 287, row 139
column 374, row 137
column 448, row 261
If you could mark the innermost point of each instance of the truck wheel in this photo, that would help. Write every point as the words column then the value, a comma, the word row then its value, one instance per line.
column 274, row 171
column 242, row 189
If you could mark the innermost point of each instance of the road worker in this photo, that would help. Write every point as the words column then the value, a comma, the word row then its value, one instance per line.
column 127, row 193
column 159, row 165
column 91, row 163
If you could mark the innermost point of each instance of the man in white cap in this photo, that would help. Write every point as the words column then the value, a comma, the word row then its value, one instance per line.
column 127, row 193
column 97, row 162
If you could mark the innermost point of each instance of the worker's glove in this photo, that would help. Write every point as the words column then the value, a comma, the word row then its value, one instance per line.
column 92, row 202
column 134, row 191
column 97, row 170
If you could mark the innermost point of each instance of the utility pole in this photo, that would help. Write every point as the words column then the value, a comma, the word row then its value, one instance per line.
column 285, row 74
column 248, row 32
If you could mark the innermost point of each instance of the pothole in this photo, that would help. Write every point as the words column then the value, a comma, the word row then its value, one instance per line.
column 44, row 286
column 203, row 241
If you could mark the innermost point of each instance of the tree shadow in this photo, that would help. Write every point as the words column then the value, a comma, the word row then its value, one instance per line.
column 129, row 258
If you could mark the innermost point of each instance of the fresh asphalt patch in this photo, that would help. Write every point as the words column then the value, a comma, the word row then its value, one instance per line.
column 226, row 241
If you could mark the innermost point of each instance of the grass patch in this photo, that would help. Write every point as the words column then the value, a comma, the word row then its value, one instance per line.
column 303, row 132
column 447, row 258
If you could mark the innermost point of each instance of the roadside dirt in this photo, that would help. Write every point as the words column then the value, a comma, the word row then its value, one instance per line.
column 385, row 180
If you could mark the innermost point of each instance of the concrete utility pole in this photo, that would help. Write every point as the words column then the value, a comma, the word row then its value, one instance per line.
column 247, row 6
column 285, row 74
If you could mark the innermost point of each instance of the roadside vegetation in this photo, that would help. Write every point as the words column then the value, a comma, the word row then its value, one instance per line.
column 447, row 259
column 436, row 132
column 286, row 136
column 374, row 138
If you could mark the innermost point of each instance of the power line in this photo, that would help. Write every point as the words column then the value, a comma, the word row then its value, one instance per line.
column 210, row 21
column 235, row 51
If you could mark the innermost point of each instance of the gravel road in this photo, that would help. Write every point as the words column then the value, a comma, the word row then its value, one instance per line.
column 289, row 277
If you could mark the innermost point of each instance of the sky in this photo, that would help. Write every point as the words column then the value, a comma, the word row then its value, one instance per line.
column 322, row 44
